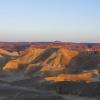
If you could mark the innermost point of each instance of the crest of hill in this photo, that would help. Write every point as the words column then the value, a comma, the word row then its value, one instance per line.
column 58, row 59
column 54, row 58
column 29, row 55
column 14, row 53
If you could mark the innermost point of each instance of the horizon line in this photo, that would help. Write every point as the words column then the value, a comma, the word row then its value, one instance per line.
column 47, row 42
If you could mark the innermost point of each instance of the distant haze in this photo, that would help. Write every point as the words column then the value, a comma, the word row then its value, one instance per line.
column 50, row 20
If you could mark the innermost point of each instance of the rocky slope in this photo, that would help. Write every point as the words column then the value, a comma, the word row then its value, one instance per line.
column 56, row 62
column 49, row 73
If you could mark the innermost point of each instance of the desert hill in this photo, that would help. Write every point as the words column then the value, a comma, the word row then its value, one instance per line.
column 6, row 56
column 54, row 62
column 33, row 71
column 29, row 55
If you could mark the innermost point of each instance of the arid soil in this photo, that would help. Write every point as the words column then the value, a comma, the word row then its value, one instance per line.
column 49, row 71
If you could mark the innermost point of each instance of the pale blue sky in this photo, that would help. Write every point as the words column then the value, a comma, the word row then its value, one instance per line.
column 50, row 20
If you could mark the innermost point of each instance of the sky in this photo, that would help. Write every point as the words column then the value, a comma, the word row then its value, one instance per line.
column 50, row 20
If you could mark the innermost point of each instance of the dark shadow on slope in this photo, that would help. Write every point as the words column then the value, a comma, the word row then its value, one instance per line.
column 42, row 57
column 34, row 70
column 4, row 60
column 84, row 61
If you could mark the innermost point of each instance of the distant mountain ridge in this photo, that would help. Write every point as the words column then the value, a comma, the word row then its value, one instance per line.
column 19, row 46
